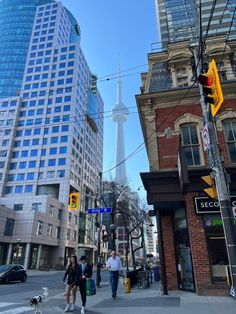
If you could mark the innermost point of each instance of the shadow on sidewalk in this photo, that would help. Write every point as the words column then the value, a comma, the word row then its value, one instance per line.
column 140, row 302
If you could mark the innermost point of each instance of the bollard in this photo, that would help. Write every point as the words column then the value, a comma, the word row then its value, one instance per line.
column 127, row 286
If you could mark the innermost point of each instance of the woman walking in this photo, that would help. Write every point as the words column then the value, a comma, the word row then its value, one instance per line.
column 71, row 278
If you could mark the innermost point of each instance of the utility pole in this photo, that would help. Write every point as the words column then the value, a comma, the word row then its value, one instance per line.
column 98, row 225
column 218, row 172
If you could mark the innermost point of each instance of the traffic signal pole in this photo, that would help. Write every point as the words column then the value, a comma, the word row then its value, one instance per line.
column 99, row 225
column 218, row 170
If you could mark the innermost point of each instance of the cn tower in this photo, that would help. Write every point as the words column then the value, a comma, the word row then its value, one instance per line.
column 120, row 114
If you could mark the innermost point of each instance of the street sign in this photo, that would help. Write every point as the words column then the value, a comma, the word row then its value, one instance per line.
column 205, row 138
column 103, row 210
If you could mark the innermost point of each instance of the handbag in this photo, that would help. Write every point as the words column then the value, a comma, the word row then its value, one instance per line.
column 90, row 287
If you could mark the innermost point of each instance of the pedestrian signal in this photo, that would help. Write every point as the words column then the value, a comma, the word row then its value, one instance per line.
column 74, row 201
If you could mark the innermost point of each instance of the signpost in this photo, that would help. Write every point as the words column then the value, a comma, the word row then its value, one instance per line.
column 103, row 210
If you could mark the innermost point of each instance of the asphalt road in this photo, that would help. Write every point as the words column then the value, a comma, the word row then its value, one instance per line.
column 22, row 293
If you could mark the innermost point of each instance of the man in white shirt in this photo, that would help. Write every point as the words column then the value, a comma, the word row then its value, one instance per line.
column 115, row 267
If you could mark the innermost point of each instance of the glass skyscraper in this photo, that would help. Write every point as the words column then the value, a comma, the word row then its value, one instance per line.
column 16, row 22
column 51, row 130
column 178, row 19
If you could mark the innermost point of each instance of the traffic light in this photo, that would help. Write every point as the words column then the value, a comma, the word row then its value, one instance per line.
column 93, row 84
column 212, row 88
column 211, row 190
column 74, row 201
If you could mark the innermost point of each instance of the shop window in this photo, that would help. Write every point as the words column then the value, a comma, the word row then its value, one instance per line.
column 216, row 247
column 191, row 144
column 230, row 137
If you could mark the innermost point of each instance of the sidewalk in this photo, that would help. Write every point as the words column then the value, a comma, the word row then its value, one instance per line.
column 34, row 273
column 139, row 301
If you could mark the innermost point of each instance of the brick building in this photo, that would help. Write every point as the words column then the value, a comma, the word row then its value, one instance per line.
column 193, row 252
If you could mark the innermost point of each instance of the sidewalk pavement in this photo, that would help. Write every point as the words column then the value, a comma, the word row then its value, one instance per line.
column 35, row 273
column 139, row 301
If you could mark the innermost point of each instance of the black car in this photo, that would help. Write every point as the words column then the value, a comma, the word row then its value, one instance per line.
column 12, row 272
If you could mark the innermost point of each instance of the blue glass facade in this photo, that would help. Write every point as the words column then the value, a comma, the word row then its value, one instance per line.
column 16, row 22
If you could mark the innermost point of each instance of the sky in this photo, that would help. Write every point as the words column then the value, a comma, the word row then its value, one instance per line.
column 118, row 32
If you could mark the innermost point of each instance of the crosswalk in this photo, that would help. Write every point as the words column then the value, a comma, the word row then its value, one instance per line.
column 13, row 308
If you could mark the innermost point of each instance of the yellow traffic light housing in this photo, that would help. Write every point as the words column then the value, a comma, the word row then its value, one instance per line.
column 212, row 88
column 211, row 191
column 74, row 201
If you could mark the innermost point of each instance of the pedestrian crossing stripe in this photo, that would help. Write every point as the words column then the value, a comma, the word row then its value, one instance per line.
column 16, row 310
column 4, row 304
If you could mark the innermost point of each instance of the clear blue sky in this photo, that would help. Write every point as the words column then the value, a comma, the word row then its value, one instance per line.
column 118, row 32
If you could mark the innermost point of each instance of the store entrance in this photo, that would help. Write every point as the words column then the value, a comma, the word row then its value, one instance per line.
column 183, row 252
column 216, row 247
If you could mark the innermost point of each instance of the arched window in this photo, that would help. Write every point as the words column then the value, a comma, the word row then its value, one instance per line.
column 229, row 126
column 190, row 142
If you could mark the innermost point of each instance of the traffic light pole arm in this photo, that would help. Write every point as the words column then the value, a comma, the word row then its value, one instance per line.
column 221, row 184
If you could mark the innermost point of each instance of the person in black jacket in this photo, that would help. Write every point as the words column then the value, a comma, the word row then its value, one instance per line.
column 71, row 278
column 84, row 272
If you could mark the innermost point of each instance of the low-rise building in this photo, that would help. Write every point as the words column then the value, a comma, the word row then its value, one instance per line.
column 191, row 237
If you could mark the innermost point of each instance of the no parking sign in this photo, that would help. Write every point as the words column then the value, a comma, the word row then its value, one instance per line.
column 205, row 138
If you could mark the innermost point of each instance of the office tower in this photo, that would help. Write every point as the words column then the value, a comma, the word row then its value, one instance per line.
column 51, row 136
column 16, row 22
column 178, row 20
column 120, row 115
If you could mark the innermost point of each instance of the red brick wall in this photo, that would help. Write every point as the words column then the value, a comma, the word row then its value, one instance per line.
column 198, row 245
column 168, row 147
column 169, row 252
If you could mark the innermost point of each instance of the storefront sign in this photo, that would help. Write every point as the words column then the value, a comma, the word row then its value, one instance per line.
column 215, row 222
column 205, row 205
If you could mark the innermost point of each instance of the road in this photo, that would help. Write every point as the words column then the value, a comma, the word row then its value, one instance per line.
column 15, row 297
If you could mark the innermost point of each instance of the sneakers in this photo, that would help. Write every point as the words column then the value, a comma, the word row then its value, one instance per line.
column 72, row 307
column 82, row 310
column 67, row 309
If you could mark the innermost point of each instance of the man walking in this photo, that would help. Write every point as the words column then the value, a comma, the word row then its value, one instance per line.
column 115, row 268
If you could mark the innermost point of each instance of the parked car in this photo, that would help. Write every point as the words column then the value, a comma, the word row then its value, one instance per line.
column 12, row 272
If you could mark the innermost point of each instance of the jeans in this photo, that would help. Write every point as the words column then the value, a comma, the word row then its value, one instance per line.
column 114, row 279
column 82, row 289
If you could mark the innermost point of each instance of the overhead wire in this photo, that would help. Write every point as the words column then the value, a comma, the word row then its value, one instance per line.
column 146, row 141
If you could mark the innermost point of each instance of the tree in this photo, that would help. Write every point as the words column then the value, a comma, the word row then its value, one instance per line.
column 126, row 212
